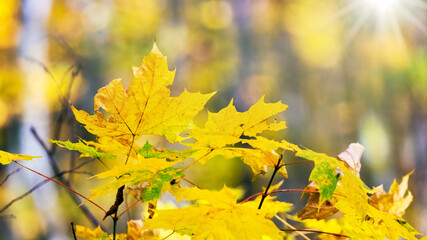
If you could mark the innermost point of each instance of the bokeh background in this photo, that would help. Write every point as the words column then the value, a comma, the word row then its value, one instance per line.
column 350, row 71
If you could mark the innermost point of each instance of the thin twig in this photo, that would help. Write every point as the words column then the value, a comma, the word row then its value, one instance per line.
column 195, row 161
column 190, row 182
column 38, row 185
column 8, row 216
column 62, row 185
column 8, row 175
column 291, row 227
column 286, row 190
column 74, row 231
column 276, row 169
column 128, row 208
column 314, row 231
column 64, row 181
column 52, row 161
column 173, row 231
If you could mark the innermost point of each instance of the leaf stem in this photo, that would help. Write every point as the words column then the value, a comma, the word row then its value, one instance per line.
column 276, row 169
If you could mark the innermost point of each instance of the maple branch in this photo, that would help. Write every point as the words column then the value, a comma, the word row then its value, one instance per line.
column 276, row 169
column 127, row 209
column 52, row 161
column 41, row 184
column 64, row 181
column 61, row 184
column 74, row 231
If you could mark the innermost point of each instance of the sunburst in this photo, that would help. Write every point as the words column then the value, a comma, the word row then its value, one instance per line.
column 386, row 16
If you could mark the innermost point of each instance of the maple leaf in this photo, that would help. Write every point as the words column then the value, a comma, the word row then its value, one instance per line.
column 361, row 220
column 228, row 127
column 145, row 107
column 6, row 158
column 351, row 156
column 83, row 147
column 396, row 200
column 220, row 218
column 153, row 182
column 324, row 173
column 134, row 232
column 87, row 233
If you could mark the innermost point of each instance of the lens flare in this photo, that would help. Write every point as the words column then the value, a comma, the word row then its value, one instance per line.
column 386, row 16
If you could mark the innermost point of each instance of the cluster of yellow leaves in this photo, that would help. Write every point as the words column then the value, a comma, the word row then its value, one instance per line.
column 122, row 117
column 396, row 200
column 134, row 232
column 146, row 108
column 219, row 216
column 361, row 220
column 228, row 127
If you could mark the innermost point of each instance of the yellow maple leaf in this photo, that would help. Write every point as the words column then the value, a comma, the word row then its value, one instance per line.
column 228, row 127
column 396, row 200
column 219, row 218
column 6, row 158
column 145, row 107
column 87, row 233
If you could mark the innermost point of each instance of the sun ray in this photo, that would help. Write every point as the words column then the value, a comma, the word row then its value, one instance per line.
column 395, row 27
column 417, row 3
column 386, row 16
column 412, row 19
column 362, row 19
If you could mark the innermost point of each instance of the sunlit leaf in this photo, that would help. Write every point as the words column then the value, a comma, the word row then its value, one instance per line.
column 6, row 158
column 82, row 147
column 220, row 218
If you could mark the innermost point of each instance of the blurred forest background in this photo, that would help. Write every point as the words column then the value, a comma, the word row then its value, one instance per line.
column 350, row 71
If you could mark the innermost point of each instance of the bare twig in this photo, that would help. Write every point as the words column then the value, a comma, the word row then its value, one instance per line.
column 314, row 231
column 62, row 185
column 74, row 231
column 8, row 216
column 8, row 175
column 286, row 190
column 128, row 208
column 41, row 183
column 52, row 161
column 291, row 227
column 276, row 169
column 64, row 181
